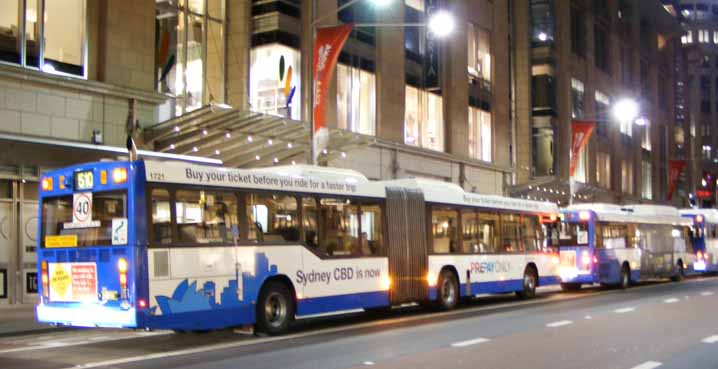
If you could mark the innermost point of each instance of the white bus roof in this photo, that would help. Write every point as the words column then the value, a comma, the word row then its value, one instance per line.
column 449, row 193
column 299, row 178
column 639, row 213
column 709, row 215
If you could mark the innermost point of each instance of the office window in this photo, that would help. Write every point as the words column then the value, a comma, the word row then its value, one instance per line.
column 601, row 48
column 480, row 134
column 626, row 127
column 423, row 119
column 581, row 172
column 577, row 96
column 715, row 37
column 444, row 223
column 267, row 91
column 542, row 22
column 646, row 180
column 416, row 4
column 63, row 28
column 627, row 176
column 603, row 113
column 578, row 32
column 479, row 46
column 205, row 217
column 356, row 100
column 603, row 169
column 626, row 64
column 689, row 37
column 189, row 56
column 646, row 137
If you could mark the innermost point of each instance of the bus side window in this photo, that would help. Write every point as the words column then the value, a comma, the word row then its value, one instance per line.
column 444, row 223
column 310, row 232
column 469, row 232
column 371, row 237
column 339, row 227
column 205, row 216
column 488, row 232
column 161, row 217
column 272, row 218
column 531, row 233
column 511, row 234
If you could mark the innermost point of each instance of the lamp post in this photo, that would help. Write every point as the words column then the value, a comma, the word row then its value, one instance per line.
column 624, row 110
column 441, row 24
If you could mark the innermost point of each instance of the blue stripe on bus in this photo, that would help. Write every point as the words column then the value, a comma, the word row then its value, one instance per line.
column 201, row 319
column 513, row 285
column 326, row 304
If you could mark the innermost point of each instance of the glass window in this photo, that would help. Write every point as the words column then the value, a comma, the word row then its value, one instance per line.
column 64, row 32
column 10, row 31
column 444, row 222
column 578, row 32
column 416, row 4
column 603, row 169
column 532, row 233
column 309, row 221
column 268, row 92
column 356, row 100
column 581, row 172
column 646, row 180
column 205, row 217
column 469, row 231
column 339, row 227
column 577, row 95
column 480, row 134
column 479, row 46
column 627, row 176
column 646, row 138
column 423, row 119
column 488, row 236
column 272, row 218
column 511, row 233
column 603, row 103
column 57, row 219
column 542, row 22
column 161, row 217
column 573, row 234
column 192, row 98
column 371, row 237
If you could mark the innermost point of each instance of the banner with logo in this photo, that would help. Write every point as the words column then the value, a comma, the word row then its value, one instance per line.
column 675, row 167
column 580, row 133
column 328, row 44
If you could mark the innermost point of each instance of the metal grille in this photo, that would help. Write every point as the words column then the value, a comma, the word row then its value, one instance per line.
column 161, row 263
column 407, row 244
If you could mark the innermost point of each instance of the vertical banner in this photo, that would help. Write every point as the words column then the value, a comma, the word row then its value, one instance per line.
column 580, row 133
column 675, row 167
column 328, row 44
column 432, row 51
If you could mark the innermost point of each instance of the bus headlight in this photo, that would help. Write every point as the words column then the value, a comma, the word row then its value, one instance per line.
column 431, row 279
column 385, row 283
column 119, row 175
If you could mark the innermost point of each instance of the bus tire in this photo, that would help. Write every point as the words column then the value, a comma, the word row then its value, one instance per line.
column 625, row 280
column 448, row 290
column 530, row 281
column 570, row 286
column 275, row 308
column 680, row 272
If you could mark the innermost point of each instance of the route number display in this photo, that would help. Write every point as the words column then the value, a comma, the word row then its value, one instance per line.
column 84, row 180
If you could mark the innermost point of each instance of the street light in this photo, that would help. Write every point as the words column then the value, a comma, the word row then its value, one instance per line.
column 441, row 23
column 626, row 110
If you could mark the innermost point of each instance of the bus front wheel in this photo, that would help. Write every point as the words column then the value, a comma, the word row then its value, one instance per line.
column 275, row 308
column 448, row 290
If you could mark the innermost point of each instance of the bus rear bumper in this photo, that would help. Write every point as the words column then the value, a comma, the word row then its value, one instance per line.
column 86, row 315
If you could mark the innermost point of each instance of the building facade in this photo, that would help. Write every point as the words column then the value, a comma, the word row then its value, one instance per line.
column 574, row 61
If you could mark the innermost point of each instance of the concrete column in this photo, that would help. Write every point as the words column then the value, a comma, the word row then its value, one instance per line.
column 454, row 84
column 563, row 88
column 390, row 75
column 501, row 85
column 522, row 88
column 239, row 45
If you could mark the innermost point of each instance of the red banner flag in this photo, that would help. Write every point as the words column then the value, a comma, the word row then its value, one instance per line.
column 580, row 133
column 327, row 46
column 675, row 167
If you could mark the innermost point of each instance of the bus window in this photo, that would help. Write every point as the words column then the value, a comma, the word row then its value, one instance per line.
column 469, row 232
column 339, row 227
column 106, row 206
column 272, row 218
column 370, row 238
column 443, row 227
column 531, row 232
column 511, row 233
column 573, row 234
column 488, row 235
column 309, row 222
column 161, row 217
column 205, row 216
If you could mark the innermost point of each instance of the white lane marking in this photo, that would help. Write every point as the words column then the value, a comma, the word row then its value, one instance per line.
column 475, row 341
column 648, row 365
column 706, row 293
column 588, row 317
column 559, row 323
column 624, row 310
column 368, row 363
column 84, row 341
column 711, row 339
column 671, row 300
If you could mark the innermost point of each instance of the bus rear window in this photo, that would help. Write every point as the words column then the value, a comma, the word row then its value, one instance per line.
column 57, row 220
column 573, row 234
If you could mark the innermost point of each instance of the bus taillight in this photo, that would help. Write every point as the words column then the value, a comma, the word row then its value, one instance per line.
column 122, row 268
column 586, row 259
column 699, row 255
column 45, row 280
column 119, row 175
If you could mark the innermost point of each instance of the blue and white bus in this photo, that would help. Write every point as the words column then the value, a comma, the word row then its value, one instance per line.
column 705, row 238
column 172, row 245
column 617, row 245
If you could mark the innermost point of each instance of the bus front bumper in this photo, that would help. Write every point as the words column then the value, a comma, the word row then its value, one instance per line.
column 86, row 315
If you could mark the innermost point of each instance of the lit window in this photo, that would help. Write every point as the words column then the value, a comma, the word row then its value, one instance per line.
column 627, row 176
column 423, row 119
column 479, row 45
column 356, row 100
column 603, row 170
column 689, row 37
column 626, row 127
column 267, row 91
column 715, row 37
column 646, row 139
column 416, row 4
column 646, row 179
column 581, row 172
column 577, row 95
column 480, row 134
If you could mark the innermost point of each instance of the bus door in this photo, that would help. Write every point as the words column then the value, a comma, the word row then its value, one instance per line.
column 407, row 244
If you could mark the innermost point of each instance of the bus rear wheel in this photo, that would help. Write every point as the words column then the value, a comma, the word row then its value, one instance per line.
column 530, row 281
column 448, row 290
column 570, row 286
column 680, row 273
column 275, row 308
column 625, row 281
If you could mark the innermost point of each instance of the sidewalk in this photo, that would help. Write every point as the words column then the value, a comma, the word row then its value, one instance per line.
column 20, row 319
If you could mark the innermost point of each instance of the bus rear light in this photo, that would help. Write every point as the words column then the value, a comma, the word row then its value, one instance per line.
column 122, row 265
column 119, row 175
column 431, row 279
column 45, row 280
column 386, row 283
column 699, row 255
column 699, row 218
column 595, row 260
column 554, row 217
column 47, row 184
column 103, row 177
column 585, row 259
column 555, row 260
column 141, row 303
column 123, row 280
column 122, row 268
column 584, row 215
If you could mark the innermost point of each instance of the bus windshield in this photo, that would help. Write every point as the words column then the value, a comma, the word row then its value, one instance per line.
column 573, row 234
column 106, row 208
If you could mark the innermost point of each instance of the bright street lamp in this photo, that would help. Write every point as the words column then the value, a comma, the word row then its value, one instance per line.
column 381, row 3
column 441, row 23
column 626, row 110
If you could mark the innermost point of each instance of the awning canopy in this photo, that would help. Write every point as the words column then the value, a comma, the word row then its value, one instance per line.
column 244, row 139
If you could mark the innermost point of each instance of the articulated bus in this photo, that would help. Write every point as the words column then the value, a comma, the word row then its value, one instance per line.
column 172, row 245
column 705, row 238
column 617, row 245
